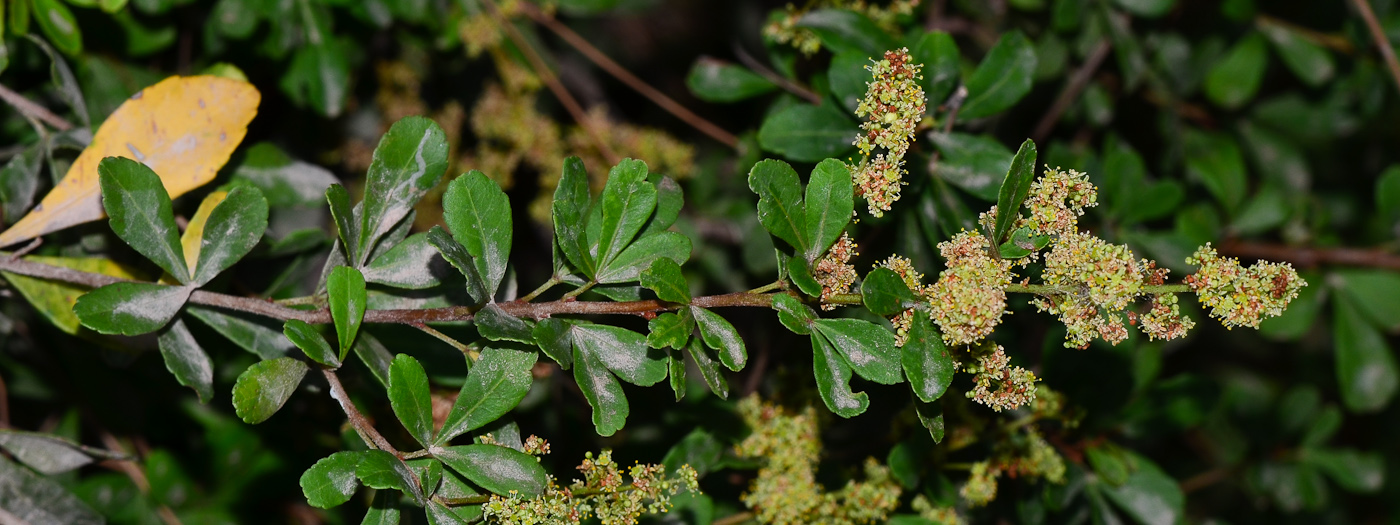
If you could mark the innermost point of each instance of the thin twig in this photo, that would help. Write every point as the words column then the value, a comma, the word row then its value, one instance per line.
column 466, row 350
column 1312, row 257
column 1363, row 8
column 764, row 71
column 357, row 420
column 1077, row 82
column 621, row 73
column 733, row 519
column 134, row 472
column 1335, row 42
column 552, row 81
column 1204, row 479
column 30, row 109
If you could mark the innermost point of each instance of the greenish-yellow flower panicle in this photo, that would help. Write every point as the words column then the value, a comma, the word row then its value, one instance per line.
column 997, row 384
column 1040, row 460
column 1108, row 278
column 833, row 270
column 893, row 106
column 981, row 487
column 940, row 515
column 970, row 296
column 1239, row 296
column 602, row 494
column 904, row 268
column 1057, row 199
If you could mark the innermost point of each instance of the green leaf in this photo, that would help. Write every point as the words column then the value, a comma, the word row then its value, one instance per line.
column 1266, row 210
column 603, row 393
column 478, row 213
column 1235, row 79
column 671, row 329
column 675, row 367
column 884, row 293
column 628, row 265
column 497, row 325
column 841, row 30
column 830, row 204
column 569, row 211
column 497, row 469
column 1149, row 495
column 1003, row 77
column 311, row 343
column 231, row 231
column 665, row 278
column 1022, row 244
column 1322, row 428
column 1366, row 371
column 848, row 76
column 384, row 510
column 807, row 133
column 345, row 289
column 1375, row 293
column 1108, row 462
column 319, row 77
column 699, row 449
column 800, row 275
column 456, row 255
column 670, row 198
column 1355, row 471
column 250, row 333
column 331, row 481
column 1215, row 160
column 186, row 360
column 939, row 54
column 408, row 162
column 1146, row 8
column 41, row 500
column 410, row 397
column 714, row 80
column 722, row 337
column 375, row 357
column 378, row 469
column 869, row 348
column 793, row 314
column 626, row 203
column 130, row 308
column 927, row 363
column 1310, row 62
column 346, row 227
column 556, row 340
column 623, row 351
column 58, row 24
column 412, row 264
column 1014, row 190
column 499, row 379
column 931, row 416
column 780, row 207
column 972, row 162
column 264, row 387
column 709, row 367
column 1388, row 192
column 440, row 514
column 140, row 212
column 46, row 453
column 834, row 380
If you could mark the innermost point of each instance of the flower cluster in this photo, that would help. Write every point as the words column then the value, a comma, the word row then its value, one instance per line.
column 1031, row 457
column 834, row 270
column 997, row 384
column 940, row 515
column 1057, row 199
column 1239, row 296
column 981, row 487
column 786, row 490
column 602, row 493
column 893, row 107
column 783, row 29
column 1098, row 281
column 970, row 296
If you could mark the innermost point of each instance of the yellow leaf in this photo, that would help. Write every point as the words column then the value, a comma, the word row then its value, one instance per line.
column 194, row 232
column 55, row 299
column 184, row 128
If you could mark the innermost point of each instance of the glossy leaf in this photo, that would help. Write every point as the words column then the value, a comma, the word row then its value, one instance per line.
column 1022, row 244
column 285, row 181
column 1355, row 471
column 973, row 163
column 409, row 396
column 714, row 80
column 927, row 362
column 1310, row 62
column 141, row 214
column 39, row 499
column 1215, row 160
column 709, row 367
column 675, row 368
column 58, row 24
column 456, row 255
column 1366, row 369
column 409, row 160
column 1235, row 79
column 1014, row 189
column 800, row 274
column 478, row 213
column 626, row 203
column 344, row 218
column 185, row 360
column 233, row 228
column 834, row 380
column 254, row 334
column 931, row 416
column 664, row 277
column 1146, row 8
column 46, row 453
column 569, row 211
column 375, row 357
column 841, row 30
column 848, row 76
column 411, row 264
column 264, row 387
column 378, row 469
column 311, row 343
column 938, row 52
column 623, row 351
column 793, row 314
column 830, row 204
column 807, row 133
column 318, row 77
column 345, row 290
column 55, row 300
column 670, row 198
column 331, row 481
column 1375, row 293
column 628, row 265
column 1149, row 495
column 130, row 308
column 603, row 393
column 384, row 510
column 868, row 348
column 1002, row 78
column 497, row 325
column 556, row 340
column 497, row 469
column 780, row 207
column 884, row 293
column 721, row 336
column 499, row 379
column 671, row 329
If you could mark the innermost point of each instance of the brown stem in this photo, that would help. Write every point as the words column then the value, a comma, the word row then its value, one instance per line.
column 357, row 420
column 1335, row 42
column 1363, row 8
column 552, row 81
column 1312, row 257
column 733, row 519
column 133, row 471
column 30, row 109
column 1077, row 82
column 621, row 73
column 791, row 87
column 1204, row 479
column 4, row 404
